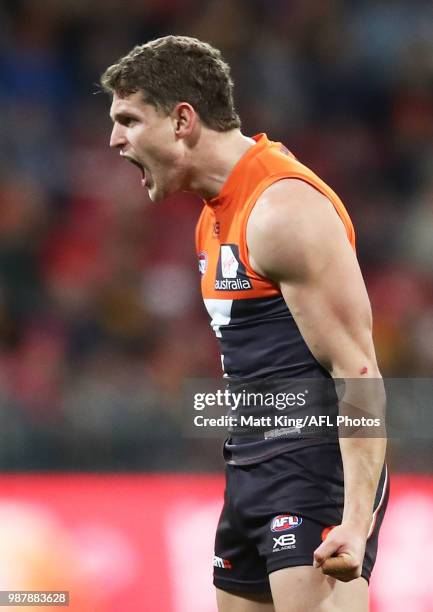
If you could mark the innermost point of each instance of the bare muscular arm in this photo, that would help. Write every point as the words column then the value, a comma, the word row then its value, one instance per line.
column 296, row 238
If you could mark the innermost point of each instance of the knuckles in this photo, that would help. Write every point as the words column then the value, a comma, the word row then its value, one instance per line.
column 347, row 572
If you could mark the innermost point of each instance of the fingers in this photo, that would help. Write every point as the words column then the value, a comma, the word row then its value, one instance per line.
column 339, row 565
column 343, row 567
column 324, row 551
column 340, row 554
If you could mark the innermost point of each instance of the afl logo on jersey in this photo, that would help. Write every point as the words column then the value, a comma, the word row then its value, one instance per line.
column 202, row 262
column 284, row 522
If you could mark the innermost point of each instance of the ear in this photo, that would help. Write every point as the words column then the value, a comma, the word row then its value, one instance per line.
column 184, row 119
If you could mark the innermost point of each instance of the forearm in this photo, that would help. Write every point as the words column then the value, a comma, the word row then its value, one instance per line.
column 362, row 463
column 362, row 449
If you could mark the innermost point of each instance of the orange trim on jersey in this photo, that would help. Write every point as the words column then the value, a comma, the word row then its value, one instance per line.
column 223, row 220
column 239, row 171
column 317, row 184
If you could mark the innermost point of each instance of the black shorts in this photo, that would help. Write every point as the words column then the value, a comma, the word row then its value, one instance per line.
column 277, row 512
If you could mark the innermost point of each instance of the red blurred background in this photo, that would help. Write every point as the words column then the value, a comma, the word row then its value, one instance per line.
column 146, row 542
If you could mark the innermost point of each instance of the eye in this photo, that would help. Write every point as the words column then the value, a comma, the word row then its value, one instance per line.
column 128, row 121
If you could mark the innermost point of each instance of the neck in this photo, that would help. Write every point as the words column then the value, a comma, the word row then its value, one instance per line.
column 213, row 157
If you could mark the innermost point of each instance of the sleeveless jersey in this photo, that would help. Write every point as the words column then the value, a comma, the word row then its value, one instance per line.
column 258, row 335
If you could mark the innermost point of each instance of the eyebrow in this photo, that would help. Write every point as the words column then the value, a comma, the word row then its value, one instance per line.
column 122, row 116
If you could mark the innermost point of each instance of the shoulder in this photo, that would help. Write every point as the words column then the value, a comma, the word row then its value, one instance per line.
column 290, row 204
column 290, row 224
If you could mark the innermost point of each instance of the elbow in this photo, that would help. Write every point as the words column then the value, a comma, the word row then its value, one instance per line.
column 359, row 368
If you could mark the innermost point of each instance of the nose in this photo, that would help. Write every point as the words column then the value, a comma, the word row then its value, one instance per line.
column 117, row 139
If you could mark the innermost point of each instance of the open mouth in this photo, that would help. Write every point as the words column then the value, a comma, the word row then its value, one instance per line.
column 138, row 165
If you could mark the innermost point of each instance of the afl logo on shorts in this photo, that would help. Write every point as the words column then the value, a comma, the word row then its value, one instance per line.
column 284, row 522
column 202, row 262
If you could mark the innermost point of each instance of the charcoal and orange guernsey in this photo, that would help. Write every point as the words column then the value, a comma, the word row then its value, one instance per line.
column 258, row 335
column 284, row 488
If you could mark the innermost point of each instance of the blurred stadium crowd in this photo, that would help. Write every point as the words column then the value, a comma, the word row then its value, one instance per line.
column 100, row 312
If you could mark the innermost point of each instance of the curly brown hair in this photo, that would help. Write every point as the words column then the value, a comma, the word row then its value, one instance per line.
column 176, row 69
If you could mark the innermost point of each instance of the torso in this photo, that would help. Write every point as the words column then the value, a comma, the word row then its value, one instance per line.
column 258, row 335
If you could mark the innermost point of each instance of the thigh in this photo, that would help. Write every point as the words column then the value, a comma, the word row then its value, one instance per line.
column 297, row 589
column 238, row 566
column 234, row 602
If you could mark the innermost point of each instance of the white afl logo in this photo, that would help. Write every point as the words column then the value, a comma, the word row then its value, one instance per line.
column 284, row 522
column 202, row 262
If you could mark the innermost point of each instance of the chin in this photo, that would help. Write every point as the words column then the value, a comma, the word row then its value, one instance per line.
column 156, row 196
column 159, row 195
column 153, row 197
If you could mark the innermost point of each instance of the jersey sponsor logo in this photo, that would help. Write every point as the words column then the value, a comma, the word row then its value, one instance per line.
column 231, row 274
column 286, row 541
column 284, row 522
column 236, row 284
column 229, row 263
column 222, row 563
column 202, row 262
